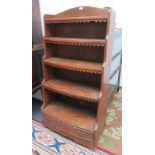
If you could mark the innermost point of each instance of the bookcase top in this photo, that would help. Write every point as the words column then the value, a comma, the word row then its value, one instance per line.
column 79, row 14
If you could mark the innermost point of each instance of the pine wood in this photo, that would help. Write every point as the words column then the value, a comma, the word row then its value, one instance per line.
column 72, row 64
column 81, row 118
column 73, row 89
column 75, row 41
column 76, row 89
column 76, row 19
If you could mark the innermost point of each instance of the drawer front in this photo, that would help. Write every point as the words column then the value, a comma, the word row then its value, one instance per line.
column 71, row 130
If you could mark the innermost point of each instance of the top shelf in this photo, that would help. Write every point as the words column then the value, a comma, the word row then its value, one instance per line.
column 87, row 19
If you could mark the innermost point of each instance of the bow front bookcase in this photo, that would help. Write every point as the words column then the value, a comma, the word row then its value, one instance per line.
column 76, row 64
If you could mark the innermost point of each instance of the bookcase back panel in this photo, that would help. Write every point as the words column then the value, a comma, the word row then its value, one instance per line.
column 78, row 103
column 91, row 30
column 78, row 77
column 85, row 53
column 52, row 96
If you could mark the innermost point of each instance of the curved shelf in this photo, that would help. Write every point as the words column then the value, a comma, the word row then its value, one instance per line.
column 75, row 65
column 72, row 89
column 75, row 41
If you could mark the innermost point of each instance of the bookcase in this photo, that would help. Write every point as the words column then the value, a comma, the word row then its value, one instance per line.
column 76, row 64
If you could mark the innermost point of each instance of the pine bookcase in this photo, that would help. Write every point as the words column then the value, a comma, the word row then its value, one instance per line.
column 76, row 64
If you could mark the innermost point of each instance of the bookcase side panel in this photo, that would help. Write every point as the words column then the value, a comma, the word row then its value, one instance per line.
column 103, row 102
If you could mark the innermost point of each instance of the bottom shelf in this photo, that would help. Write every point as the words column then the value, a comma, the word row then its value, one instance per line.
column 80, row 117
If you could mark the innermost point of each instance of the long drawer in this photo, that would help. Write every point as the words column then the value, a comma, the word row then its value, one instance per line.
column 76, row 134
column 67, row 127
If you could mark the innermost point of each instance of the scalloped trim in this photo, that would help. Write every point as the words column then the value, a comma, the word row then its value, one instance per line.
column 72, row 96
column 76, row 41
column 77, row 44
column 74, row 21
column 75, row 69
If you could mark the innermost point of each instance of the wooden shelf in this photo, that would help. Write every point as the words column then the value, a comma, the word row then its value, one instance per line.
column 72, row 89
column 77, row 65
column 87, row 19
column 75, row 41
column 69, row 114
